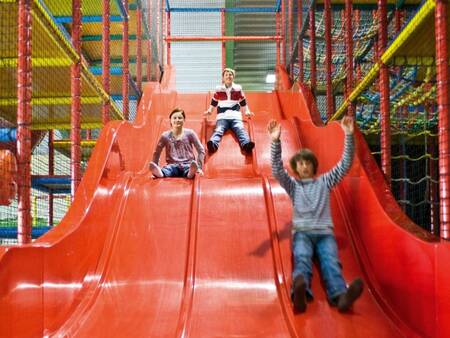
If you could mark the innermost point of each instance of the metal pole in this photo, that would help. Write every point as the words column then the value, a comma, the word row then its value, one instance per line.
column 398, row 20
column 24, row 92
column 384, row 94
column 51, row 172
column 106, row 77
column 283, row 32
column 168, row 34
column 300, row 41
column 75, row 118
column 312, row 47
column 149, row 41
column 139, row 48
column 358, row 23
column 125, row 64
column 163, row 23
column 278, row 30
column 158, row 33
column 222, row 22
column 328, row 56
column 349, row 53
column 290, row 34
column 443, row 111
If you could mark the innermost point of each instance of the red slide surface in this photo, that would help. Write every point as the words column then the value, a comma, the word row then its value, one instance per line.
column 210, row 257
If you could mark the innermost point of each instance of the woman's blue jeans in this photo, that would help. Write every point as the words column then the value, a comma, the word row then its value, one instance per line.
column 176, row 170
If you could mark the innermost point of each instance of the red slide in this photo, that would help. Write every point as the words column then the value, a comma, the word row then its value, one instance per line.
column 210, row 257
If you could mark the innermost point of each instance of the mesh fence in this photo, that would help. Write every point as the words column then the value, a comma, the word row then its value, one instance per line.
column 414, row 139
column 412, row 102
column 53, row 55
column 8, row 91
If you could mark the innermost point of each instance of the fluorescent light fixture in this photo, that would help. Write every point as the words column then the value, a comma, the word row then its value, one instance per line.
column 270, row 78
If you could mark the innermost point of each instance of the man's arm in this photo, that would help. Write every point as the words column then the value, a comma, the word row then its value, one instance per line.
column 243, row 104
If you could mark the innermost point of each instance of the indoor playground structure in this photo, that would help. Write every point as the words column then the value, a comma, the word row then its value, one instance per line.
column 91, row 245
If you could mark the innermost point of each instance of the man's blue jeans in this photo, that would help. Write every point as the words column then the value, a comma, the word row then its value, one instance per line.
column 236, row 125
column 176, row 170
column 324, row 246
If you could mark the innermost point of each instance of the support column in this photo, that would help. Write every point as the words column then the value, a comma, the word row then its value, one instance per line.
column 139, row 48
column 301, row 69
column 349, row 53
column 75, row 114
column 290, row 35
column 51, row 172
column 149, row 41
column 222, row 24
column 168, row 61
column 125, row 64
column 384, row 94
column 106, row 65
column 328, row 60
column 312, row 47
column 24, row 93
column 278, row 33
column 283, row 32
column 443, row 111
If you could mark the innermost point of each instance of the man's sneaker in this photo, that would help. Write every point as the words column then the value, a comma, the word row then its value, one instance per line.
column 299, row 294
column 156, row 170
column 212, row 148
column 248, row 147
column 192, row 169
column 346, row 300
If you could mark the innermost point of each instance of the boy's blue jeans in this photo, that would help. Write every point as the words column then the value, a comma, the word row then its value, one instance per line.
column 237, row 126
column 176, row 170
column 304, row 246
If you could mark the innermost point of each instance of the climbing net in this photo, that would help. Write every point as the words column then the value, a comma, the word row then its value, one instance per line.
column 413, row 110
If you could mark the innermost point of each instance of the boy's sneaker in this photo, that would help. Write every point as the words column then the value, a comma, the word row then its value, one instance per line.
column 248, row 147
column 192, row 169
column 299, row 294
column 346, row 300
column 156, row 170
column 212, row 148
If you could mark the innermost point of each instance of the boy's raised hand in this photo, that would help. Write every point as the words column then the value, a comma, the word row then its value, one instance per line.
column 274, row 129
column 347, row 124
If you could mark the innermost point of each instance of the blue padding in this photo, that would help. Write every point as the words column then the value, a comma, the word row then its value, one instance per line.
column 88, row 19
column 120, row 97
column 8, row 134
column 231, row 10
column 50, row 180
column 112, row 71
column 11, row 232
column 44, row 184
